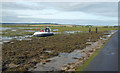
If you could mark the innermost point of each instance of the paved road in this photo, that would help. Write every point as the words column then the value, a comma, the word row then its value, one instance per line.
column 107, row 59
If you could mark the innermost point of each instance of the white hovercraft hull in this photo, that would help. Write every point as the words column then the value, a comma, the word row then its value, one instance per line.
column 43, row 34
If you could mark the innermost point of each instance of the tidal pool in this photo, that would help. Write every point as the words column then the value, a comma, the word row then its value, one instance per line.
column 4, row 28
column 72, row 31
column 59, row 61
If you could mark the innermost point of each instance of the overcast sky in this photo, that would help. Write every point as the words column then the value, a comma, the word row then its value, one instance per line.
column 97, row 13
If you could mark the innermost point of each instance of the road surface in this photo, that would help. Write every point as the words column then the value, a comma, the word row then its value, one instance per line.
column 107, row 59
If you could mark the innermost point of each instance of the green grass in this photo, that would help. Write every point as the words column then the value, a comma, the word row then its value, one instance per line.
column 60, row 29
column 81, row 69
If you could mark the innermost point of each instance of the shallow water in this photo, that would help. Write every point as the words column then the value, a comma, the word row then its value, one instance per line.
column 4, row 28
column 13, row 30
column 59, row 61
column 49, row 51
column 28, row 28
column 109, row 34
column 55, row 29
column 7, row 39
column 29, row 31
column 72, row 31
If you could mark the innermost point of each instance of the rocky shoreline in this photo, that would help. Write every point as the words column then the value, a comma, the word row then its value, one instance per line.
column 91, row 49
column 87, row 52
column 26, row 54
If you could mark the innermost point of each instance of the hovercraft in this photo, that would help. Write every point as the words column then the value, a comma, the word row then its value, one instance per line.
column 44, row 33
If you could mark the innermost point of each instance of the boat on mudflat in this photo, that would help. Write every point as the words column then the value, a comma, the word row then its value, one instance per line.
column 44, row 33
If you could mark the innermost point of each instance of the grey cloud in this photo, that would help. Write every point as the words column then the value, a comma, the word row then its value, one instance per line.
column 102, row 8
column 106, row 8
column 8, row 13
column 21, row 6
column 99, row 8
column 62, row 21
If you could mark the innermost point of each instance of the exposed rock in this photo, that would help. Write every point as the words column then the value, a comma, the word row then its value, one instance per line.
column 89, row 43
column 75, row 58
column 72, row 66
column 43, row 63
column 31, row 69
column 12, row 42
column 33, row 60
column 71, row 70
column 91, row 50
column 65, row 68
column 12, row 65
column 47, row 60
column 88, row 40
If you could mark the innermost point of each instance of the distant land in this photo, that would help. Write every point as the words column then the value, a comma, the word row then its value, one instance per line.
column 48, row 24
column 32, row 23
column 39, row 24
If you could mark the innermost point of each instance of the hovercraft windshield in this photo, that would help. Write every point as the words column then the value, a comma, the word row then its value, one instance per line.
column 47, row 29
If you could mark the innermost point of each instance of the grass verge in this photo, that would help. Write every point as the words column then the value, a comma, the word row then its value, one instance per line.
column 91, row 58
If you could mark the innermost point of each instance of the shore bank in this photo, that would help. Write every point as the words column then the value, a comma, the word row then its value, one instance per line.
column 72, row 61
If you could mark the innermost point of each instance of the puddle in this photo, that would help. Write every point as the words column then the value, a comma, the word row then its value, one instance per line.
column 72, row 31
column 4, row 28
column 107, row 35
column 7, row 39
column 28, row 28
column 29, row 31
column 103, row 38
column 55, row 64
column 55, row 29
column 113, row 31
column 13, row 30
column 56, row 32
column 26, row 37
column 67, row 32
column 58, row 62
column 49, row 51
column 74, row 54
column 1, row 43
column 0, row 32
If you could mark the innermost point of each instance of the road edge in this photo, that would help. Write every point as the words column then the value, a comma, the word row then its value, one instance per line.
column 86, row 64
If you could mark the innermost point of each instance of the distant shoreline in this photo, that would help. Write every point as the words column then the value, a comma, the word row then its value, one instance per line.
column 53, row 24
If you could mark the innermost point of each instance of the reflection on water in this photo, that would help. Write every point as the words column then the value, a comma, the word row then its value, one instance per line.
column 7, row 39
column 4, row 28
column 49, row 51
column 27, row 37
column 28, row 28
column 72, row 31
column 75, row 54
column 107, row 35
column 58, row 62
column 29, row 31
column 55, row 29
column 13, row 30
